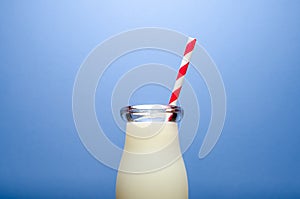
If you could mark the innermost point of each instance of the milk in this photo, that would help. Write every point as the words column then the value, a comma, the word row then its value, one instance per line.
column 152, row 166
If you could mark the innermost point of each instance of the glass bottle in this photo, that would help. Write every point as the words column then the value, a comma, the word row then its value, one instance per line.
column 152, row 165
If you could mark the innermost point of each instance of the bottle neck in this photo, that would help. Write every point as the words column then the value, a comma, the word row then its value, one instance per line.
column 148, row 137
column 142, row 155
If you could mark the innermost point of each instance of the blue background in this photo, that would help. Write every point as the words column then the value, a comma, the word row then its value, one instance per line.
column 255, row 45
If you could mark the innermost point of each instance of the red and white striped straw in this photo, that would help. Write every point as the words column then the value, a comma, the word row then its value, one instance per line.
column 182, row 70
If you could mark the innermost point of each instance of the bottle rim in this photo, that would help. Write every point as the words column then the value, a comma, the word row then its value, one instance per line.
column 157, row 112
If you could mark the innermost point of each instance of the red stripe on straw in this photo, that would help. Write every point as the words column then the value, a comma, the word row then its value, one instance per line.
column 190, row 46
column 175, row 95
column 182, row 70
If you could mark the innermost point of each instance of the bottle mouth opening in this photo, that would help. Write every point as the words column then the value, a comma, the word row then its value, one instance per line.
column 151, row 113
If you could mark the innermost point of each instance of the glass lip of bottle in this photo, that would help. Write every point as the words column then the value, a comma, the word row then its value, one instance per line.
column 154, row 112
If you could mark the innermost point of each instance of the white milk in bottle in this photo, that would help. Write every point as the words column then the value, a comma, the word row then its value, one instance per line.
column 152, row 166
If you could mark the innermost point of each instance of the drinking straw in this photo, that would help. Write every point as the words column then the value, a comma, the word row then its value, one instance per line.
column 182, row 70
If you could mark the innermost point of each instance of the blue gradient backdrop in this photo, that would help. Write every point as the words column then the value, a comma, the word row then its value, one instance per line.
column 254, row 43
